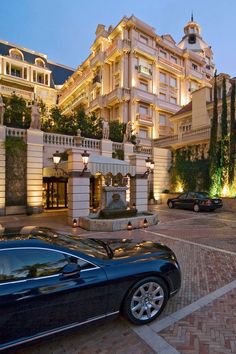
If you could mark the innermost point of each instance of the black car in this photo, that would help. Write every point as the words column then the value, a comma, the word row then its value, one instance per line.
column 195, row 201
column 51, row 282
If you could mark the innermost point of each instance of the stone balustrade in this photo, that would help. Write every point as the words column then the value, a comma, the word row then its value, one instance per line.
column 16, row 132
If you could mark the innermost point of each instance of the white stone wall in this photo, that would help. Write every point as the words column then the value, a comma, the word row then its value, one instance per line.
column 161, row 177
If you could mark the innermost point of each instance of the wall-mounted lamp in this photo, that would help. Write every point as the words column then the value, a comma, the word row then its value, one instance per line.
column 150, row 164
column 129, row 226
column 145, row 223
column 85, row 158
column 56, row 160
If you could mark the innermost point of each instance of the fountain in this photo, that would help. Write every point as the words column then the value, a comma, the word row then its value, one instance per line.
column 115, row 214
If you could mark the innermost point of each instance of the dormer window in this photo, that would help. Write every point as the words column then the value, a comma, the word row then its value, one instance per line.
column 40, row 62
column 16, row 54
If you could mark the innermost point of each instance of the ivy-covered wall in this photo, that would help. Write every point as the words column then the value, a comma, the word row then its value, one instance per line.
column 16, row 166
column 190, row 169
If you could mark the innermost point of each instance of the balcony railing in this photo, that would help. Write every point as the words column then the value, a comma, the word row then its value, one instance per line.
column 16, row 132
column 98, row 58
column 144, row 48
column 68, row 141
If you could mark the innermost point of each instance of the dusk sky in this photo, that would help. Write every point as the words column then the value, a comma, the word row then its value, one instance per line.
column 65, row 29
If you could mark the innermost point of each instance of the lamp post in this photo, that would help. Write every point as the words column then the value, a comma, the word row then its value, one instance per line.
column 85, row 158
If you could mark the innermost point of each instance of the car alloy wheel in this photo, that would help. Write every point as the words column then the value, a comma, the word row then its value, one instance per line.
column 146, row 300
column 171, row 205
column 196, row 208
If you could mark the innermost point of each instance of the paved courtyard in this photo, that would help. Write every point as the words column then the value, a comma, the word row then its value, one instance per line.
column 201, row 318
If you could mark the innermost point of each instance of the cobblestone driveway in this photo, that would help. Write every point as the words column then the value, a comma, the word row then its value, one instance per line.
column 199, row 319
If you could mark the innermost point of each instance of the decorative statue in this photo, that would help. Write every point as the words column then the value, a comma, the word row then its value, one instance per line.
column 2, row 110
column 116, row 203
column 35, row 116
column 128, row 131
column 105, row 129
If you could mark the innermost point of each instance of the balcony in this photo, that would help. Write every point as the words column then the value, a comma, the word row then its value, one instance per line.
column 7, row 91
column 144, row 49
column 195, row 74
column 117, row 95
column 97, row 59
column 145, row 72
column 190, row 137
column 144, row 119
column 165, row 105
column 166, row 64
column 142, row 95
column 81, row 99
column 96, row 103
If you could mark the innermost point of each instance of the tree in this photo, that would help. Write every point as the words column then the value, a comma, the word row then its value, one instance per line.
column 90, row 125
column 214, row 168
column 232, row 141
column 224, row 155
column 117, row 131
column 17, row 114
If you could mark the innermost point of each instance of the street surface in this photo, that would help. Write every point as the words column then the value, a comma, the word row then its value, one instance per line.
column 200, row 319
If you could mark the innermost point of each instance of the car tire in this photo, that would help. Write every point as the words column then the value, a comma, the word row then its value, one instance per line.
column 196, row 208
column 145, row 301
column 171, row 205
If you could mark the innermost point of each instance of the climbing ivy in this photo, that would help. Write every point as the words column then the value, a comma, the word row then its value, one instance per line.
column 190, row 169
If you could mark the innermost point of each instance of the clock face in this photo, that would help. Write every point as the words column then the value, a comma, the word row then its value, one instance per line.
column 192, row 39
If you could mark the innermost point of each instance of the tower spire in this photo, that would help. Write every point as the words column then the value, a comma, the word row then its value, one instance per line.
column 192, row 16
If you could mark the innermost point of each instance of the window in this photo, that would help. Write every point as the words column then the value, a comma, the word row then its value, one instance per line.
column 173, row 100
column 162, row 96
column 40, row 62
column 16, row 71
column 173, row 82
column 186, row 127
column 162, row 54
column 162, row 119
column 193, row 86
column 163, row 77
column 192, row 39
column 40, row 78
column 173, row 59
column 30, row 263
column 143, row 133
column 143, row 109
column 143, row 39
column 144, row 85
column 194, row 66
column 16, row 54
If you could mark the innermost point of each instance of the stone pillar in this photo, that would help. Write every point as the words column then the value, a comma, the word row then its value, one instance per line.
column 139, row 183
column 161, row 177
column 128, row 150
column 34, row 170
column 78, row 187
column 2, row 169
column 106, row 148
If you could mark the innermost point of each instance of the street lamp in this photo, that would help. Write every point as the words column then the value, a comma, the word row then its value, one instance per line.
column 56, row 159
column 85, row 158
column 150, row 164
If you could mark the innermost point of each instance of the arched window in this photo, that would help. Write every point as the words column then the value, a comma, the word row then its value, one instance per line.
column 16, row 54
column 40, row 62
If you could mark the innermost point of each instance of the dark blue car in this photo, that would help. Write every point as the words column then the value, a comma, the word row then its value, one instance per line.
column 50, row 282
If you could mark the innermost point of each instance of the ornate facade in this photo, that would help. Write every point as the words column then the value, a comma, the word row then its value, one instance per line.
column 30, row 74
column 135, row 75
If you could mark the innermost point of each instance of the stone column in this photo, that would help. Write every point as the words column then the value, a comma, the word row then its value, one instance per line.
column 34, row 170
column 161, row 177
column 78, row 187
column 2, row 169
column 139, row 183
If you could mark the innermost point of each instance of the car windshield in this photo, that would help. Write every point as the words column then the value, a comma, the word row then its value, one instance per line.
column 89, row 246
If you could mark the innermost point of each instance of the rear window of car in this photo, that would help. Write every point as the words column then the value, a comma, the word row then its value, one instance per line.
column 202, row 195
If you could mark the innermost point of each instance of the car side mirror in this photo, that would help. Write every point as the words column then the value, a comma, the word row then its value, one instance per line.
column 71, row 270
